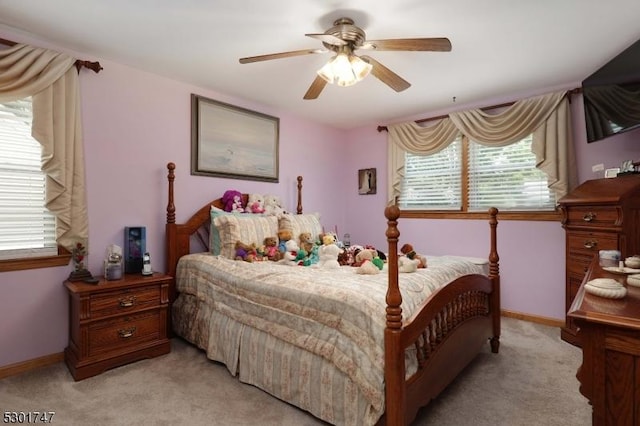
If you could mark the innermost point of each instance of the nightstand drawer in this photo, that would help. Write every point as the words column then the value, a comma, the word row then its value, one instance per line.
column 124, row 332
column 123, row 301
column 594, row 216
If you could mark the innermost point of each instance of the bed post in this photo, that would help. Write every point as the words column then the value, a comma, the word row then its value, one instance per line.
column 171, row 223
column 494, row 274
column 299, row 206
column 394, row 368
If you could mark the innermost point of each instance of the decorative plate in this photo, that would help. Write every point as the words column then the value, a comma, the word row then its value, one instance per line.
column 618, row 270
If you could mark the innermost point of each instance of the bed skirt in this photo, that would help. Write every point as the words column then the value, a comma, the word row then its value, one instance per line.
column 283, row 370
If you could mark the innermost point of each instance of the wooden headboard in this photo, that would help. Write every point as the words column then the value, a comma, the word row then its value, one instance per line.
column 178, row 236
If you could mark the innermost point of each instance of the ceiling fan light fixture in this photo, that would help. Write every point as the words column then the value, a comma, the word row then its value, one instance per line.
column 345, row 70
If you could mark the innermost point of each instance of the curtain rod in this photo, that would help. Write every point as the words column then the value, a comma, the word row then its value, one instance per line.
column 95, row 66
column 439, row 117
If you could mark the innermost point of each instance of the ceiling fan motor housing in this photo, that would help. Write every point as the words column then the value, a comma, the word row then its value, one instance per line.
column 345, row 30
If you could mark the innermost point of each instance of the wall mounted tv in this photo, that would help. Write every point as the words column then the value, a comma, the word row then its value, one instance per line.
column 612, row 96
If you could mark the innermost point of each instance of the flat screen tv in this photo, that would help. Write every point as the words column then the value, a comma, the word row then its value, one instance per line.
column 612, row 96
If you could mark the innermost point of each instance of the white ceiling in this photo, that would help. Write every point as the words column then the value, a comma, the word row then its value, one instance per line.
column 500, row 47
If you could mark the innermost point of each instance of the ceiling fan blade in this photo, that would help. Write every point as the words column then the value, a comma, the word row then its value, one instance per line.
column 315, row 88
column 387, row 76
column 415, row 44
column 328, row 38
column 259, row 58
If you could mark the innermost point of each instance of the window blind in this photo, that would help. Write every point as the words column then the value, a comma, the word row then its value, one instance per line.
column 27, row 228
column 433, row 181
column 506, row 177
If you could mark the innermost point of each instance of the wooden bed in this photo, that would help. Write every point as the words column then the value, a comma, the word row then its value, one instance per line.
column 447, row 332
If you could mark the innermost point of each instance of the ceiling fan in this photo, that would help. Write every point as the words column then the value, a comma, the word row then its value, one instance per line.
column 346, row 68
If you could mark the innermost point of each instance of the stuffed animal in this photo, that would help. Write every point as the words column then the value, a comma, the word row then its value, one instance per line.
column 232, row 201
column 255, row 203
column 284, row 235
column 273, row 206
column 328, row 253
column 246, row 252
column 407, row 250
column 369, row 262
column 270, row 249
column 290, row 255
column 406, row 265
column 306, row 241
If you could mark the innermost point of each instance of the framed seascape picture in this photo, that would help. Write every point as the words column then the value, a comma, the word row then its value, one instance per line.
column 366, row 181
column 233, row 142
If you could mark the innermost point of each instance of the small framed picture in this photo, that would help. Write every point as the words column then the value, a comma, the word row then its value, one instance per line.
column 611, row 173
column 366, row 181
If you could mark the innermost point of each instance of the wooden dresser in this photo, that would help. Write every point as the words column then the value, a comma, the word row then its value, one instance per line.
column 113, row 323
column 609, row 332
column 600, row 214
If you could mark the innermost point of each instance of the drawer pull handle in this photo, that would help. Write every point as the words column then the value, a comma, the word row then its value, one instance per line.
column 128, row 302
column 590, row 244
column 126, row 333
column 588, row 217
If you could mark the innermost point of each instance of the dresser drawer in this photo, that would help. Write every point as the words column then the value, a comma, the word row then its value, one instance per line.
column 123, row 301
column 588, row 244
column 594, row 216
column 124, row 332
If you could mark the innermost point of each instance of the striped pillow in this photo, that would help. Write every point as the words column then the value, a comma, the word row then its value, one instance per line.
column 298, row 223
column 249, row 229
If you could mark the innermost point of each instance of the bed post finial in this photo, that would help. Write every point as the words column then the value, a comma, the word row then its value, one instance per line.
column 394, row 298
column 299, row 206
column 171, row 208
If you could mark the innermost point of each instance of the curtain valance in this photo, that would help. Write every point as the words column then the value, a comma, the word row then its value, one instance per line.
column 547, row 117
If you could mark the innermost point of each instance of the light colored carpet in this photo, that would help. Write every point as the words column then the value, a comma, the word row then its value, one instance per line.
column 530, row 382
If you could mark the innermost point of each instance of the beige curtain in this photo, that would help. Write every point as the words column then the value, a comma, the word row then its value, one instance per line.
column 547, row 117
column 52, row 81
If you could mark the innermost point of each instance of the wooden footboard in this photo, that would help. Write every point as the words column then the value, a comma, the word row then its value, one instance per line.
column 447, row 332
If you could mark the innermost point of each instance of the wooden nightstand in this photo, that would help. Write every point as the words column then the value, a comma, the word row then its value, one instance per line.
column 113, row 323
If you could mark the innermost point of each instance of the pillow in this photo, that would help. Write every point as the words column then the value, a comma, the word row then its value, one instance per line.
column 298, row 223
column 250, row 229
column 214, row 235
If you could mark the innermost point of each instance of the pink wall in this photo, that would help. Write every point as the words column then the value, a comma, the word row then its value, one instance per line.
column 136, row 122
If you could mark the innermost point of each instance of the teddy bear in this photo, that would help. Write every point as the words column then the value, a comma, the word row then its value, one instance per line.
column 328, row 253
column 255, row 203
column 306, row 241
column 407, row 250
column 284, row 235
column 246, row 252
column 232, row 201
column 273, row 205
column 270, row 249
column 370, row 263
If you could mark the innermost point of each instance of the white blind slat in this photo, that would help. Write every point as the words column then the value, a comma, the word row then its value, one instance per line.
column 27, row 228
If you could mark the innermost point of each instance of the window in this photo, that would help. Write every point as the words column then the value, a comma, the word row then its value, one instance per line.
column 27, row 228
column 469, row 177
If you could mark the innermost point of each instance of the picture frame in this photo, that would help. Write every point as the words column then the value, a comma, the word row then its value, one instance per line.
column 233, row 142
column 366, row 181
